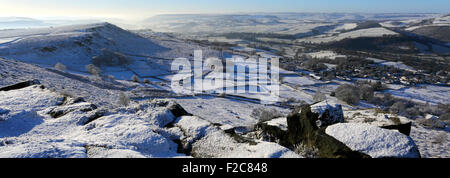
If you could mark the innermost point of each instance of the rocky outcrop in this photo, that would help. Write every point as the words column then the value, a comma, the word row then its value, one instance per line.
column 222, row 145
column 329, row 113
column 402, row 128
column 374, row 141
column 302, row 129
column 59, row 111
column 20, row 85
column 194, row 128
column 202, row 139
column 339, row 140
column 177, row 110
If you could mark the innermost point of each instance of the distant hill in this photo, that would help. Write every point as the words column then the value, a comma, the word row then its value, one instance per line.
column 385, row 44
column 367, row 24
column 19, row 22
column 72, row 45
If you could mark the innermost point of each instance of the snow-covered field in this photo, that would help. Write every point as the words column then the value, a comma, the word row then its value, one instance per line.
column 424, row 93
column 325, row 54
column 370, row 32
column 345, row 26
column 398, row 65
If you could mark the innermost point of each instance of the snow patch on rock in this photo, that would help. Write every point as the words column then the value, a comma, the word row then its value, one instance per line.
column 374, row 141
column 220, row 145
column 278, row 122
column 194, row 127
column 329, row 113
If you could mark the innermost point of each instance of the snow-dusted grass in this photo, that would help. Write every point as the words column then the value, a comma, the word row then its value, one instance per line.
column 426, row 141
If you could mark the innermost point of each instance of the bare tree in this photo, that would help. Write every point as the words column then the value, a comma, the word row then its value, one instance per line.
column 348, row 93
column 61, row 67
column 92, row 69
column 135, row 79
column 319, row 97
column 123, row 100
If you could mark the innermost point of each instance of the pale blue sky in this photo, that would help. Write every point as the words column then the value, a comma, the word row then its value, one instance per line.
column 145, row 8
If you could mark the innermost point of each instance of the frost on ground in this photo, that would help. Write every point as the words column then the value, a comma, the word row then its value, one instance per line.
column 374, row 141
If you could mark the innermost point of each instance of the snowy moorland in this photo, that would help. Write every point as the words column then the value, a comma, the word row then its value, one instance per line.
column 126, row 108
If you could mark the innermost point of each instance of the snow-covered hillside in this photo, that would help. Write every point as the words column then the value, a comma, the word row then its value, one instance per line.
column 75, row 45
column 369, row 32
